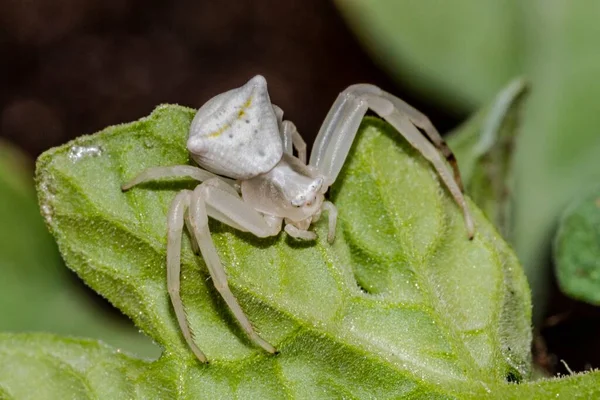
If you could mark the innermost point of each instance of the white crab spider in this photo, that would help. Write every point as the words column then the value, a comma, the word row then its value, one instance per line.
column 252, row 182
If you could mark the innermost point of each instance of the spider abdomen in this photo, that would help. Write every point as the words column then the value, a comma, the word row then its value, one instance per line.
column 236, row 134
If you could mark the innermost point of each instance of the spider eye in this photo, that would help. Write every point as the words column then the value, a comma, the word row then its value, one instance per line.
column 298, row 201
column 316, row 185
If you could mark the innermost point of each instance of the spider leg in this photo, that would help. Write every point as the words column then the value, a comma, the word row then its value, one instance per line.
column 336, row 135
column 175, row 171
column 224, row 204
column 332, row 219
column 299, row 233
column 177, row 211
column 193, row 240
column 291, row 137
column 421, row 121
column 208, row 199
column 218, row 200
column 341, row 124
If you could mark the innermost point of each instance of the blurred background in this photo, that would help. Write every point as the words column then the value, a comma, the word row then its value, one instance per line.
column 73, row 67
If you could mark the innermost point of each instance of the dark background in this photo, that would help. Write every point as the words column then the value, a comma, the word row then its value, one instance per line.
column 72, row 67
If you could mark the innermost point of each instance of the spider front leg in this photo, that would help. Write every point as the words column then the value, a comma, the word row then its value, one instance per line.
column 341, row 125
column 174, row 171
column 218, row 200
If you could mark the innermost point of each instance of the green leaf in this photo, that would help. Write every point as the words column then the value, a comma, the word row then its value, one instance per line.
column 484, row 146
column 462, row 52
column 36, row 291
column 558, row 157
column 401, row 304
column 84, row 369
column 70, row 368
column 577, row 249
column 573, row 387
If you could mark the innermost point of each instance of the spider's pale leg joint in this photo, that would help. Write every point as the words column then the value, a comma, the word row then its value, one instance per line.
column 199, row 222
column 176, row 215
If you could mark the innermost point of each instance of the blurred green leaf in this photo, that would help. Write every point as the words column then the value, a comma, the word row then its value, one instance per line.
column 577, row 250
column 461, row 52
column 71, row 369
column 85, row 369
column 435, row 315
column 484, row 146
column 558, row 157
column 15, row 171
column 36, row 291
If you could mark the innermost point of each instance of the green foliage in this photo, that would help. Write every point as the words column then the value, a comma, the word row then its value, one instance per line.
column 85, row 369
column 461, row 52
column 572, row 387
column 36, row 290
column 401, row 305
column 577, row 250
column 435, row 311
column 26, row 248
column 483, row 147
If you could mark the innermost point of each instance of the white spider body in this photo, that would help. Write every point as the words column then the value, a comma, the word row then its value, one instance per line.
column 236, row 133
column 260, row 185
column 285, row 192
